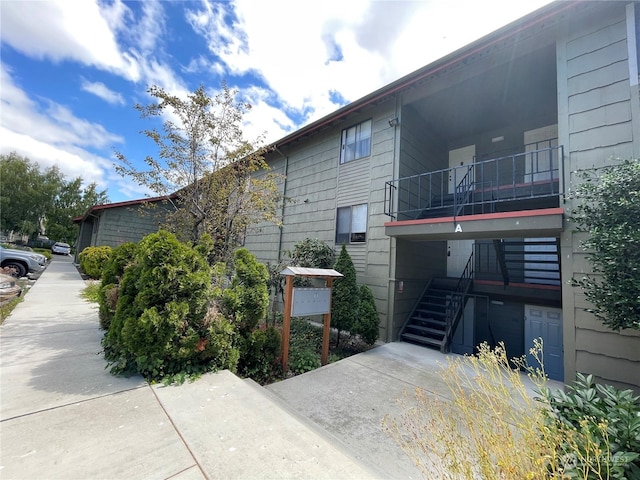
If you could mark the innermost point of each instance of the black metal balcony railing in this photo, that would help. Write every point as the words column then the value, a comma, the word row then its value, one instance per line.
column 506, row 183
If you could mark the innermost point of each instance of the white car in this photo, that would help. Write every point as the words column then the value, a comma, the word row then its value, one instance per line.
column 61, row 248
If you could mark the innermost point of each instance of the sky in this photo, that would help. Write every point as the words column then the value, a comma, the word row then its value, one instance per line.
column 71, row 72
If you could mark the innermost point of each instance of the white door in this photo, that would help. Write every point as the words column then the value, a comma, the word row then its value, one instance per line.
column 545, row 323
column 459, row 251
column 542, row 165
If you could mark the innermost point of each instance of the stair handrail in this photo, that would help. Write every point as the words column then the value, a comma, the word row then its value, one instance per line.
column 462, row 190
column 456, row 302
column 415, row 307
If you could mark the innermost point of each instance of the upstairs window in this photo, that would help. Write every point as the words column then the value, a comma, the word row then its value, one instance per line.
column 351, row 224
column 356, row 142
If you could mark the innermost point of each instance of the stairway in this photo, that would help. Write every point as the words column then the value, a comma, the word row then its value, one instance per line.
column 427, row 324
column 534, row 261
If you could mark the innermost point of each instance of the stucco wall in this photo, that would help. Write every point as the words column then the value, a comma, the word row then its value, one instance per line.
column 596, row 123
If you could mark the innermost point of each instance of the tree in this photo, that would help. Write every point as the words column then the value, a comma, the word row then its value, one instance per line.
column 344, row 296
column 35, row 202
column 26, row 193
column 609, row 211
column 71, row 201
column 205, row 168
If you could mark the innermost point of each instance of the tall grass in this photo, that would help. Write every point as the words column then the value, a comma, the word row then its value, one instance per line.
column 490, row 426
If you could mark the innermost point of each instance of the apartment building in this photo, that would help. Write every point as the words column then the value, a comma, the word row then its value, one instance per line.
column 451, row 187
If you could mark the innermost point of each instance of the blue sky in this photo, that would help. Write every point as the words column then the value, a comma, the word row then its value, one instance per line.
column 71, row 72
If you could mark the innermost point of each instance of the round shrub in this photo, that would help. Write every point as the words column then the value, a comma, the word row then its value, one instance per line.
column 112, row 273
column 302, row 360
column 162, row 327
column 93, row 259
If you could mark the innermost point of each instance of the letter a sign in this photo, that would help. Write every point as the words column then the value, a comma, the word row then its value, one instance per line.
column 458, row 228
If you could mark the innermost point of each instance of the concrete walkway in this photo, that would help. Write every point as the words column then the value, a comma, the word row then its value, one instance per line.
column 62, row 415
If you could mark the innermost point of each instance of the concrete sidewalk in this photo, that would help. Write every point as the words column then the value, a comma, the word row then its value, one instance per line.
column 62, row 415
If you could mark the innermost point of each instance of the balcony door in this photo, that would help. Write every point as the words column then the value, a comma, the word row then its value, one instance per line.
column 458, row 251
column 543, row 164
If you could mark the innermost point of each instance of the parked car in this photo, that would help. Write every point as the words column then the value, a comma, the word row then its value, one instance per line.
column 40, row 241
column 22, row 261
column 61, row 248
column 9, row 288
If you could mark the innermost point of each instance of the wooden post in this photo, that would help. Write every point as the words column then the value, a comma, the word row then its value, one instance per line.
column 286, row 322
column 326, row 329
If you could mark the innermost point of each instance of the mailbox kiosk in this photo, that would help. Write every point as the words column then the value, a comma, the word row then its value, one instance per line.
column 307, row 301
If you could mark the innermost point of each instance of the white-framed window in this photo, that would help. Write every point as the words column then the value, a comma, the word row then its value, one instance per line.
column 356, row 142
column 351, row 224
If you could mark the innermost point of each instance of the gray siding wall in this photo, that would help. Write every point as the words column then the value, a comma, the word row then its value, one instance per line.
column 317, row 185
column 263, row 239
column 596, row 117
column 127, row 224
column 420, row 151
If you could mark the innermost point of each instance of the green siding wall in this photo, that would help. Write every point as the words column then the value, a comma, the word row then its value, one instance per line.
column 596, row 118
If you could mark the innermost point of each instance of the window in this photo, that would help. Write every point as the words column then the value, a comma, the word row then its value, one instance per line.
column 356, row 142
column 351, row 224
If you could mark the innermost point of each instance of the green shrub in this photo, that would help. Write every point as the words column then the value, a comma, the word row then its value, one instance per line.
column 345, row 297
column 112, row 273
column 162, row 327
column 93, row 259
column 247, row 299
column 312, row 253
column 367, row 323
column 302, row 360
column 600, row 426
column 304, row 334
column 609, row 211
column 260, row 355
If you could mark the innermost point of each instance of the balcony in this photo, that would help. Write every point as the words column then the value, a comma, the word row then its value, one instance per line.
column 529, row 180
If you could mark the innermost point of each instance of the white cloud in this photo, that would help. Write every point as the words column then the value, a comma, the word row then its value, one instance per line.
column 100, row 90
column 151, row 25
column 49, row 134
column 304, row 52
column 74, row 31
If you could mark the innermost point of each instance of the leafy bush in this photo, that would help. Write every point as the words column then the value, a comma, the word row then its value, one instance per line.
column 247, row 299
column 93, row 259
column 610, row 213
column 345, row 297
column 162, row 327
column 260, row 354
column 601, row 429
column 302, row 360
column 367, row 323
column 312, row 253
column 112, row 273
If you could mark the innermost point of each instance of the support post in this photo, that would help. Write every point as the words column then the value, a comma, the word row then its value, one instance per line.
column 286, row 322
